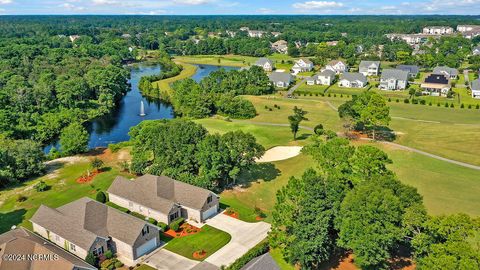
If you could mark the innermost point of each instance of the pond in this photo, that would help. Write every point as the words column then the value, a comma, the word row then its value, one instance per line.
column 114, row 127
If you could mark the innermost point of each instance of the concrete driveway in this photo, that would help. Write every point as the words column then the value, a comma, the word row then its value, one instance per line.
column 163, row 259
column 244, row 237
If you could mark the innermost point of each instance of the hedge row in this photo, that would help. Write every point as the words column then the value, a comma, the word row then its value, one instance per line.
column 258, row 250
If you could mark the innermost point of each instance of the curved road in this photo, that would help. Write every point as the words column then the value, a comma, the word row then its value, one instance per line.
column 467, row 165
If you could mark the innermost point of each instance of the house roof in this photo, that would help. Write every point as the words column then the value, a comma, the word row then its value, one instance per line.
column 445, row 70
column 366, row 64
column 160, row 193
column 83, row 220
column 262, row 61
column 397, row 74
column 327, row 73
column 334, row 62
column 476, row 85
column 436, row 79
column 354, row 77
column 410, row 68
column 280, row 77
column 305, row 60
column 23, row 241
column 263, row 262
column 279, row 42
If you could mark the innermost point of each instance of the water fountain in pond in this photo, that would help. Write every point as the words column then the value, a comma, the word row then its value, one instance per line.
column 142, row 109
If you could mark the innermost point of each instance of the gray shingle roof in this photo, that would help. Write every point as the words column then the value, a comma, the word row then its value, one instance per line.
column 160, row 193
column 476, row 85
column 83, row 220
column 262, row 61
column 366, row 64
column 410, row 68
column 263, row 262
column 334, row 62
column 306, row 60
column 327, row 73
column 397, row 74
column 354, row 77
column 445, row 70
column 23, row 241
column 280, row 77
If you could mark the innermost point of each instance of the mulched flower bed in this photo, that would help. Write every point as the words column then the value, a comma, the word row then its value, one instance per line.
column 87, row 178
column 259, row 218
column 185, row 229
column 199, row 254
column 231, row 214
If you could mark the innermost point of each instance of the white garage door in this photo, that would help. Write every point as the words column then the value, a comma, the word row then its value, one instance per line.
column 210, row 212
column 148, row 246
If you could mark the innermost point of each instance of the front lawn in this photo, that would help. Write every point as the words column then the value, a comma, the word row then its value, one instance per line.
column 209, row 239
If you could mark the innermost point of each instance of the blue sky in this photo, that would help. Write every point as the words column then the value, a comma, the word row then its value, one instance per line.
column 187, row 7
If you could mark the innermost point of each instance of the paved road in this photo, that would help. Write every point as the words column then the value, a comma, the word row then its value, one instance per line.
column 244, row 237
column 291, row 90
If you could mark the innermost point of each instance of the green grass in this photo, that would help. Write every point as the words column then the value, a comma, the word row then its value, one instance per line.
column 219, row 60
column 145, row 267
column 208, row 239
column 63, row 189
column 277, row 256
column 187, row 72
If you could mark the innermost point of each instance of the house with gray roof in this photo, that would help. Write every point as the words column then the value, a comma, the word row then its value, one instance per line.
column 262, row 262
column 393, row 79
column 369, row 68
column 280, row 79
column 451, row 73
column 265, row 63
column 53, row 257
column 412, row 70
column 476, row 50
column 163, row 198
column 302, row 65
column 353, row 80
column 326, row 77
column 86, row 226
column 475, row 88
column 338, row 66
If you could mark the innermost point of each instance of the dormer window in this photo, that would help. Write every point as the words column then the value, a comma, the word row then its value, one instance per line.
column 209, row 199
column 145, row 230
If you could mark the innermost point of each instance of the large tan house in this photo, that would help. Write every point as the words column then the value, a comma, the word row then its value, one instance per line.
column 163, row 199
column 22, row 249
column 87, row 226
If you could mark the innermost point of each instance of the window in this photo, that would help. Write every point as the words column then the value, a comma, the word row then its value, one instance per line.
column 173, row 216
column 98, row 251
column 209, row 199
column 73, row 247
column 145, row 230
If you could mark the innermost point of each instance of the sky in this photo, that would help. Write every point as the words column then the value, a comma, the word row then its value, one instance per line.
column 238, row 7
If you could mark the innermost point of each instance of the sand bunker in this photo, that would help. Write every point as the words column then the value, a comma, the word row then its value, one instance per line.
column 280, row 153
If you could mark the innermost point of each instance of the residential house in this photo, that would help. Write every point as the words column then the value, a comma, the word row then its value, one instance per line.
column 337, row 66
column 280, row 79
column 302, row 65
column 410, row 39
column 476, row 51
column 265, row 63
column 280, row 46
column 353, row 80
column 126, row 36
column 86, row 226
column 244, row 28
column 469, row 31
column 40, row 254
column 475, row 87
column 436, row 85
column 163, row 198
column 326, row 77
column 230, row 33
column 275, row 34
column 256, row 33
column 393, row 79
column 437, row 30
column 369, row 68
column 451, row 73
column 73, row 37
column 412, row 70
column 332, row 43
column 344, row 34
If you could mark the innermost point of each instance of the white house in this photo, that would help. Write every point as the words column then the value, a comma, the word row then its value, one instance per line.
column 393, row 79
column 451, row 73
column 369, row 68
column 475, row 87
column 265, row 63
column 353, row 80
column 163, row 199
column 337, row 66
column 326, row 77
column 280, row 79
column 256, row 33
column 476, row 51
column 302, row 65
column 438, row 30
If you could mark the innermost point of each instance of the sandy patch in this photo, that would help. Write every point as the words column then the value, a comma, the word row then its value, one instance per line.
column 280, row 153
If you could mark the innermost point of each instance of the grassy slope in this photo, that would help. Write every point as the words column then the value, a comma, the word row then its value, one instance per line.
column 188, row 71
column 209, row 239
column 235, row 60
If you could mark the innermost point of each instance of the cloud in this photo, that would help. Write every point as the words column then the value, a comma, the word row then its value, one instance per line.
column 71, row 6
column 5, row 2
column 193, row 2
column 104, row 2
column 317, row 5
column 265, row 11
